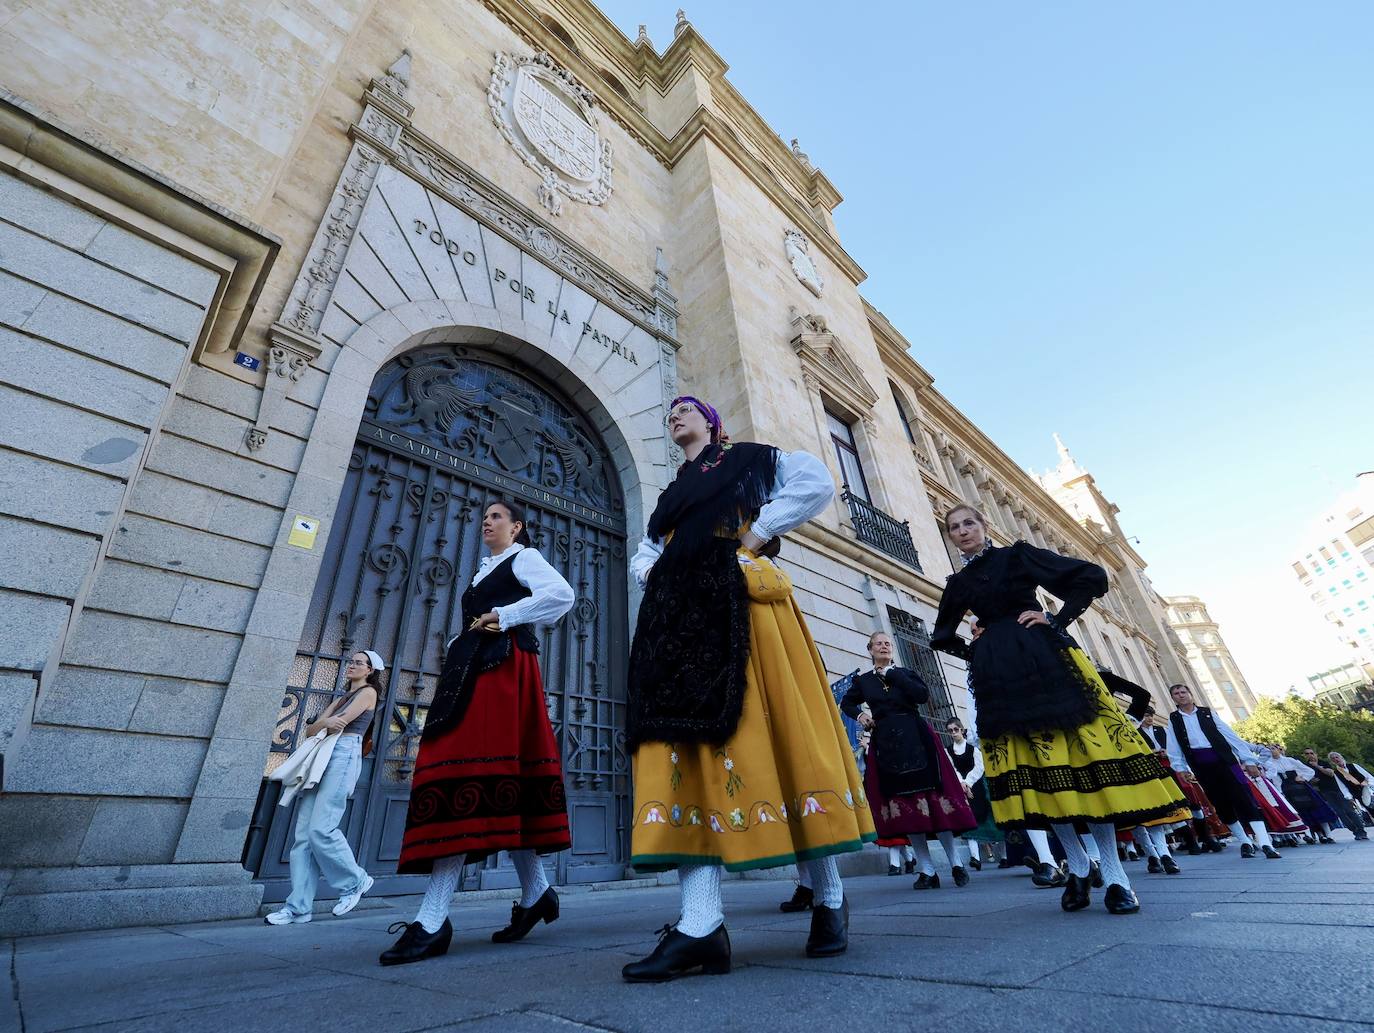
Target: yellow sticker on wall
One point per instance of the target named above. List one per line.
(303, 532)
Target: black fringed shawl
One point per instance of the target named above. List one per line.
(687, 663)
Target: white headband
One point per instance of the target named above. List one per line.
(375, 659)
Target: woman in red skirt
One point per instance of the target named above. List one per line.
(489, 776)
(910, 780)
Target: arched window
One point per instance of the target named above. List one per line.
(902, 413)
(614, 83)
(564, 36)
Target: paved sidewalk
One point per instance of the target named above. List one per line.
(1252, 946)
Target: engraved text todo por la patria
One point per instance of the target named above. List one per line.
(500, 276)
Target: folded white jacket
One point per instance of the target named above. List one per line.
(305, 767)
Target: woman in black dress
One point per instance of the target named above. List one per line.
(1056, 747)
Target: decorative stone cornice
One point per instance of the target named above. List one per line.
(288, 357)
(826, 365)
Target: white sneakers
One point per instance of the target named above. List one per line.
(286, 917)
(350, 900)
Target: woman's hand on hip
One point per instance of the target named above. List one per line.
(1030, 618)
(489, 622)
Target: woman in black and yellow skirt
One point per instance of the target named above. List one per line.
(1056, 746)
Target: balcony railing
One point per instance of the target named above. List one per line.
(885, 533)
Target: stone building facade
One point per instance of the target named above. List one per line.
(1214, 669)
(286, 292)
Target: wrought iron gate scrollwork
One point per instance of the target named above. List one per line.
(914, 651)
(443, 431)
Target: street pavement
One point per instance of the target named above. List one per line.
(1230, 944)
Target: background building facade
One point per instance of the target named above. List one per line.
(1346, 686)
(286, 293)
(1336, 571)
(1214, 668)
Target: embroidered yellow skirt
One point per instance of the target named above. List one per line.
(1102, 771)
(784, 788)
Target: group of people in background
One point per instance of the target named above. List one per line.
(741, 759)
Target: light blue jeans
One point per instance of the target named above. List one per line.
(319, 847)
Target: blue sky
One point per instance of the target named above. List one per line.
(1149, 227)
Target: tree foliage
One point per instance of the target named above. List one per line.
(1298, 723)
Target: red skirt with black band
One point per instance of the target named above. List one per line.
(493, 782)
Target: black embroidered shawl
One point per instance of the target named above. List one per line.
(691, 645)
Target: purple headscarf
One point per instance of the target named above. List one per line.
(712, 417)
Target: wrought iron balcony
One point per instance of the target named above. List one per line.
(887, 534)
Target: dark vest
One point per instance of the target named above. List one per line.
(474, 652)
(1161, 737)
(1209, 728)
(963, 763)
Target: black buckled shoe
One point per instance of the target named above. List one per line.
(1154, 867)
(960, 875)
(802, 900)
(1170, 865)
(1120, 900)
(926, 882)
(829, 931)
(1077, 895)
(1270, 852)
(415, 944)
(1048, 877)
(1247, 850)
(523, 919)
(678, 954)
(975, 864)
(1095, 874)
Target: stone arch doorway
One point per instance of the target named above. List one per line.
(444, 428)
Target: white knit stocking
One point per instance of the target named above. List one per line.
(1142, 838)
(1073, 850)
(918, 843)
(1261, 834)
(1112, 872)
(1040, 840)
(1160, 839)
(702, 911)
(803, 875)
(825, 882)
(1238, 830)
(533, 881)
(443, 882)
(951, 851)
(1090, 845)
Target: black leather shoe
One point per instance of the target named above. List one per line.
(1076, 896)
(1325, 840)
(960, 875)
(926, 882)
(829, 931)
(415, 944)
(1247, 850)
(523, 919)
(1005, 863)
(801, 901)
(1154, 867)
(893, 869)
(1095, 874)
(1271, 853)
(1170, 865)
(910, 868)
(1048, 877)
(1194, 850)
(1215, 846)
(975, 864)
(1120, 900)
(678, 954)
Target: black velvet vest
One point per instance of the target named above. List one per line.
(474, 651)
(963, 763)
(1209, 728)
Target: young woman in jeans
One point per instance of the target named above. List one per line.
(320, 848)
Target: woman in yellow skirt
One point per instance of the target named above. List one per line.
(1057, 749)
(741, 759)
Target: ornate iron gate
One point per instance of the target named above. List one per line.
(442, 433)
(913, 648)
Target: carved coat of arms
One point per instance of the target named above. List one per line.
(549, 118)
(799, 254)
